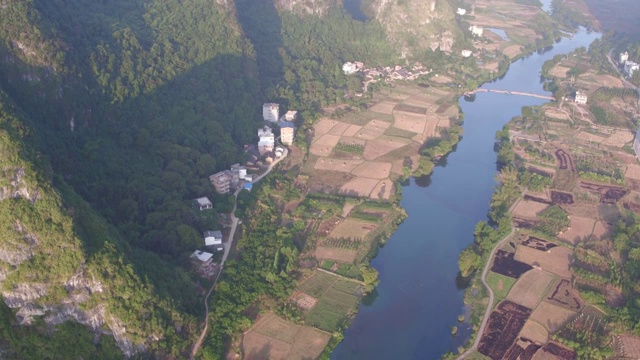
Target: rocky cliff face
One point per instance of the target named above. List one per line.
(417, 24)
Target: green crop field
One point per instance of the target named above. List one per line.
(500, 284)
(318, 284)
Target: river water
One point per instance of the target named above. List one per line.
(418, 301)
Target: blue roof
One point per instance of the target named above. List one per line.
(248, 186)
(286, 124)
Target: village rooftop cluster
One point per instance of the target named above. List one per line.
(237, 177)
(386, 73)
(629, 67)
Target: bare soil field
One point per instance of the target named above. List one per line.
(502, 329)
(385, 107)
(628, 346)
(559, 71)
(633, 172)
(373, 170)
(441, 79)
(552, 317)
(583, 135)
(512, 51)
(619, 138)
(529, 208)
(275, 338)
(340, 165)
(563, 294)
(579, 230)
(530, 288)
(535, 332)
(323, 126)
(555, 260)
(352, 229)
(383, 190)
(339, 129)
(601, 230)
(324, 145)
(553, 351)
(351, 131)
(372, 130)
(429, 130)
(382, 146)
(340, 255)
(359, 187)
(444, 123)
(556, 114)
(409, 121)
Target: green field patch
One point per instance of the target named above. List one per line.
(500, 285)
(346, 286)
(348, 299)
(318, 284)
(327, 264)
(324, 317)
(349, 270)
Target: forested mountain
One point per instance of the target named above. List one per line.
(113, 114)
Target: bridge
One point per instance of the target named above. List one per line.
(546, 97)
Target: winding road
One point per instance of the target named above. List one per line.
(227, 249)
(487, 312)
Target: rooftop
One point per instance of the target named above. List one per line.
(204, 201)
(202, 255)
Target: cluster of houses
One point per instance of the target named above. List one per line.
(386, 73)
(629, 67)
(236, 177)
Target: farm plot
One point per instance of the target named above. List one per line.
(500, 284)
(336, 254)
(522, 349)
(633, 172)
(504, 263)
(382, 146)
(538, 244)
(323, 146)
(359, 187)
(372, 130)
(336, 305)
(580, 230)
(352, 229)
(601, 230)
(410, 121)
(275, 338)
(323, 126)
(619, 138)
(535, 332)
(512, 51)
(352, 131)
(502, 329)
(529, 209)
(583, 135)
(555, 260)
(383, 190)
(608, 194)
(628, 346)
(559, 71)
(339, 129)
(553, 351)
(317, 284)
(530, 288)
(563, 294)
(303, 300)
(561, 198)
(385, 107)
(552, 317)
(342, 165)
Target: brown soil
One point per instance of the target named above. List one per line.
(608, 194)
(564, 160)
(523, 349)
(564, 295)
(561, 198)
(353, 229)
(502, 329)
(529, 209)
(384, 107)
(359, 187)
(340, 255)
(303, 300)
(505, 264)
(552, 317)
(373, 170)
(579, 230)
(535, 332)
(555, 260)
(377, 148)
(538, 244)
(530, 288)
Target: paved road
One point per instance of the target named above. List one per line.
(487, 312)
(227, 249)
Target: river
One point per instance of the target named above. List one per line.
(418, 301)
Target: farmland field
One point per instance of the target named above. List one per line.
(530, 288)
(500, 284)
(552, 317)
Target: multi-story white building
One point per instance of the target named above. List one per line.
(287, 132)
(222, 181)
(349, 68)
(466, 53)
(270, 112)
(267, 140)
(631, 67)
(461, 11)
(581, 98)
(290, 115)
(624, 57)
(476, 30)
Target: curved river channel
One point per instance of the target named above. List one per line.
(418, 301)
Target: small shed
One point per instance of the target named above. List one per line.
(202, 256)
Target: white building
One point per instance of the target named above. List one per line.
(624, 57)
(581, 98)
(290, 115)
(267, 140)
(466, 53)
(202, 256)
(476, 30)
(631, 67)
(287, 132)
(212, 238)
(279, 151)
(349, 68)
(204, 203)
(461, 11)
(270, 112)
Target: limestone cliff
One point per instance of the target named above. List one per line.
(416, 24)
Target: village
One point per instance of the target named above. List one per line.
(261, 158)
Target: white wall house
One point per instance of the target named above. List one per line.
(287, 132)
(290, 115)
(267, 140)
(204, 203)
(461, 11)
(630, 68)
(476, 30)
(349, 68)
(270, 112)
(581, 98)
(624, 57)
(202, 256)
(466, 53)
(212, 238)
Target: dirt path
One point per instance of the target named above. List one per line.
(227, 249)
(487, 312)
